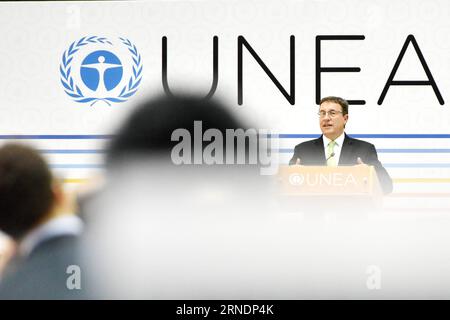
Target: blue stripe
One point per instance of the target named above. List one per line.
(71, 151)
(411, 165)
(282, 150)
(387, 165)
(403, 136)
(55, 137)
(77, 166)
(388, 136)
(282, 136)
(293, 135)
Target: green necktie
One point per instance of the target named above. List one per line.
(331, 162)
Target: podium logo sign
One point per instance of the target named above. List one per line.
(336, 179)
(296, 179)
(98, 70)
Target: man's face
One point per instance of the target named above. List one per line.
(333, 122)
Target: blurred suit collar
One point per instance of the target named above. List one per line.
(67, 225)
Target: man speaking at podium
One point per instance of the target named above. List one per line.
(335, 147)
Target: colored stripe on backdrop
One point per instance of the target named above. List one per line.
(281, 135)
(400, 180)
(291, 151)
(419, 195)
(76, 166)
(411, 165)
(377, 136)
(386, 165)
(416, 165)
(76, 180)
(55, 136)
(421, 180)
(99, 151)
(71, 151)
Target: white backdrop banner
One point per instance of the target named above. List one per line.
(70, 72)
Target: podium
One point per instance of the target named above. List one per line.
(322, 188)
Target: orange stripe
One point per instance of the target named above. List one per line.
(421, 180)
(76, 180)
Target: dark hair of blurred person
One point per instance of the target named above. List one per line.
(26, 191)
(37, 213)
(150, 205)
(149, 128)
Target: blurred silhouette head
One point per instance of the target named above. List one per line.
(26, 194)
(148, 131)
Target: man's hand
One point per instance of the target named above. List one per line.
(360, 162)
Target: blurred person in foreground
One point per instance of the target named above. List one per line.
(163, 230)
(39, 216)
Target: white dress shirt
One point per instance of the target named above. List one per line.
(337, 147)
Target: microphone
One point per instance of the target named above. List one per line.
(331, 156)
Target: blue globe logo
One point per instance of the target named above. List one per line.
(101, 71)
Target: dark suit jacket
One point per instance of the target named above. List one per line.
(42, 275)
(312, 153)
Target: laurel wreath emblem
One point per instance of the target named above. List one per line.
(76, 93)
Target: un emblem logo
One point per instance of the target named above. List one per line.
(296, 179)
(93, 70)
